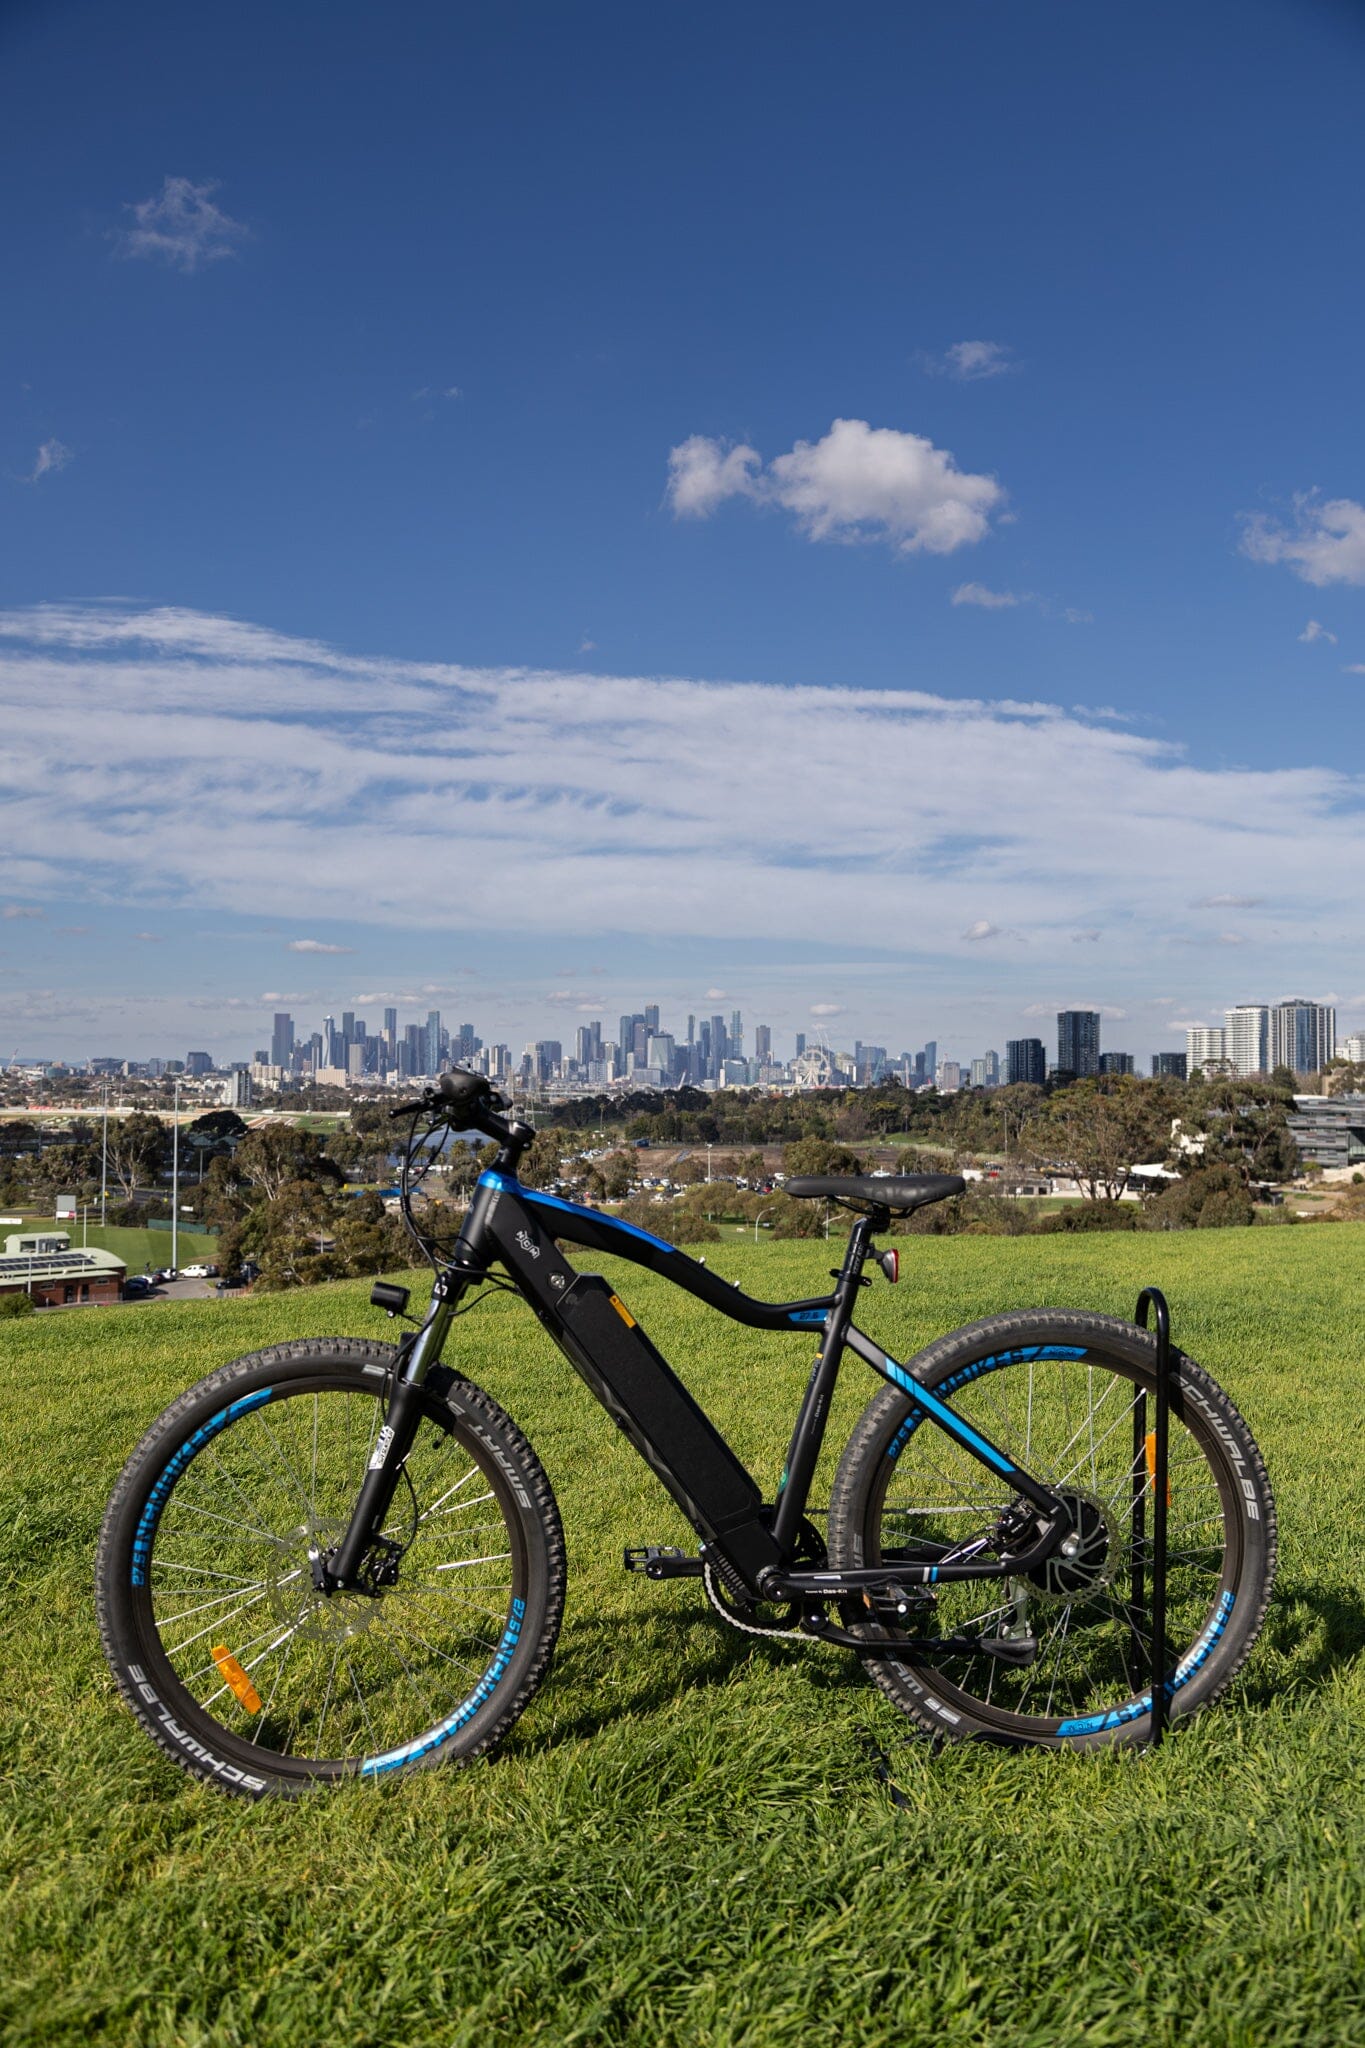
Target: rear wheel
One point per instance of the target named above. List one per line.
(222, 1645)
(1059, 1393)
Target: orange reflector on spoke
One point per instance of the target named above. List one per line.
(236, 1679)
(1151, 1466)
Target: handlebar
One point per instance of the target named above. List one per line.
(468, 1096)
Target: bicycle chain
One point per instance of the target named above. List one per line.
(711, 1582)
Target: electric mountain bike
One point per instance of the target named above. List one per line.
(338, 1558)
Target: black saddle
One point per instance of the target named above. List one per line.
(899, 1192)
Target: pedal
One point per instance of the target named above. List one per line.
(662, 1561)
(1014, 1650)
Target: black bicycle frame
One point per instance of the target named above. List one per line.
(518, 1227)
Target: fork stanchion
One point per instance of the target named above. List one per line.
(1157, 1468)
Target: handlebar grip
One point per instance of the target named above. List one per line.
(405, 1109)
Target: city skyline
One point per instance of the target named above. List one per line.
(718, 1051)
(643, 568)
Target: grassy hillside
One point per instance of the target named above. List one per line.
(683, 1840)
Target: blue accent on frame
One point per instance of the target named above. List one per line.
(944, 1415)
(807, 1315)
(1025, 1355)
(506, 1185)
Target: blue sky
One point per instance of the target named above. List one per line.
(427, 531)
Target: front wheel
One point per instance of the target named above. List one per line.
(209, 1616)
(1066, 1396)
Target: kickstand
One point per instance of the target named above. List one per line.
(880, 1761)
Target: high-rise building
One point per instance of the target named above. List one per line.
(1303, 1036)
(763, 1044)
(1170, 1066)
(1247, 1038)
(198, 1063)
(986, 1071)
(391, 1032)
(1117, 1063)
(1206, 1046)
(431, 1048)
(651, 1019)
(1078, 1042)
(282, 1040)
(800, 1043)
(546, 1054)
(1353, 1048)
(736, 1035)
(1025, 1060)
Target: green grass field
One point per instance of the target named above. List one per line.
(683, 1839)
(137, 1248)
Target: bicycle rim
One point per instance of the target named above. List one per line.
(1067, 1414)
(314, 1684)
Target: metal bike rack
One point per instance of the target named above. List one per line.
(1151, 1471)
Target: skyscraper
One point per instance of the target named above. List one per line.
(763, 1044)
(1247, 1040)
(282, 1040)
(1206, 1047)
(1117, 1063)
(1170, 1066)
(1302, 1035)
(1025, 1060)
(1078, 1042)
(391, 1032)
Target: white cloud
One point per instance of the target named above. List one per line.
(969, 361)
(52, 456)
(987, 600)
(858, 483)
(228, 770)
(982, 929)
(1228, 902)
(703, 473)
(1315, 630)
(180, 226)
(1325, 545)
(827, 1009)
(1353, 668)
(316, 946)
(17, 910)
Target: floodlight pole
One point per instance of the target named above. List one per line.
(104, 1155)
(175, 1178)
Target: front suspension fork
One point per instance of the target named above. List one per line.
(402, 1419)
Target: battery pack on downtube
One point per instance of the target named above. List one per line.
(652, 1407)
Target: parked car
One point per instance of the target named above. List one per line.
(136, 1287)
(195, 1272)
